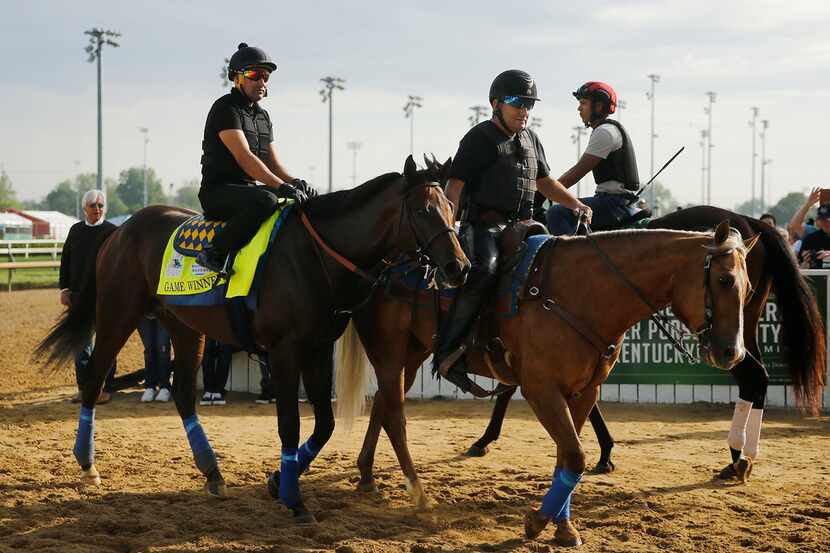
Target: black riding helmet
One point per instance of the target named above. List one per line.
(248, 56)
(513, 82)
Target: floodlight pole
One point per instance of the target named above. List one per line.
(97, 39)
(330, 84)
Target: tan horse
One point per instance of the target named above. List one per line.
(560, 365)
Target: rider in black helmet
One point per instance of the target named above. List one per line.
(237, 151)
(499, 166)
(609, 155)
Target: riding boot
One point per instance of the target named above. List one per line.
(215, 260)
(450, 339)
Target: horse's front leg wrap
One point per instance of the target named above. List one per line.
(557, 502)
(306, 454)
(202, 452)
(84, 449)
(290, 478)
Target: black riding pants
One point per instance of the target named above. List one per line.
(244, 207)
(481, 244)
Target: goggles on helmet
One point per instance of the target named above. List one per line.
(519, 102)
(256, 74)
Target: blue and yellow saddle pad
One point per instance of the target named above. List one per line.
(182, 281)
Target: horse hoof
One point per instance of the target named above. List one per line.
(567, 535)
(476, 451)
(216, 489)
(303, 515)
(367, 487)
(535, 522)
(727, 472)
(604, 468)
(743, 469)
(274, 485)
(90, 477)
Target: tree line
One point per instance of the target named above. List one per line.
(124, 195)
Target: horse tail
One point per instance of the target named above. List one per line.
(804, 337)
(351, 386)
(75, 326)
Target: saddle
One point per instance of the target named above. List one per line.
(195, 234)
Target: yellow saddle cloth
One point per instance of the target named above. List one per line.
(181, 276)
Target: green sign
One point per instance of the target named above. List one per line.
(648, 357)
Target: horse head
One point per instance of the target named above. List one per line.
(430, 230)
(712, 305)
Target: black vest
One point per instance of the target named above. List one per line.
(218, 164)
(509, 184)
(620, 165)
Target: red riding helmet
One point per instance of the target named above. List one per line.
(598, 91)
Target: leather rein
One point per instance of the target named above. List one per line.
(375, 277)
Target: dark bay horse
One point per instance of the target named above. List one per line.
(772, 267)
(559, 370)
(296, 322)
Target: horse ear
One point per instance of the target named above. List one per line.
(410, 170)
(749, 244)
(445, 170)
(722, 232)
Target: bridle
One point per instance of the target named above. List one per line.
(379, 274)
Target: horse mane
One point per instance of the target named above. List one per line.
(335, 203)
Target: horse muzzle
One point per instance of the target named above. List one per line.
(454, 273)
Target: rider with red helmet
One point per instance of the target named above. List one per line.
(609, 155)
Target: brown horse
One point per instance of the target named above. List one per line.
(771, 266)
(303, 289)
(560, 365)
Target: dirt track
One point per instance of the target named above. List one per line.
(662, 498)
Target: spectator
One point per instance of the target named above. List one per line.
(769, 219)
(82, 243)
(216, 365)
(815, 247)
(156, 359)
(796, 226)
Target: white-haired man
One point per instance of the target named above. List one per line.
(82, 242)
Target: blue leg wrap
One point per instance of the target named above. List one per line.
(556, 504)
(85, 439)
(202, 452)
(290, 478)
(306, 454)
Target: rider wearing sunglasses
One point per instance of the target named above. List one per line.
(499, 166)
(609, 155)
(238, 151)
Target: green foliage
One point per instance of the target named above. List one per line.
(664, 200)
(8, 197)
(115, 206)
(782, 211)
(130, 188)
(188, 196)
(64, 198)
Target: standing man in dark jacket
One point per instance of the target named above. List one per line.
(81, 244)
(499, 166)
(237, 151)
(609, 155)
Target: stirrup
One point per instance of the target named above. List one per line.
(461, 378)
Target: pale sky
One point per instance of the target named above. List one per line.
(771, 54)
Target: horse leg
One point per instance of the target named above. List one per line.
(491, 434)
(317, 384)
(753, 380)
(366, 458)
(286, 377)
(188, 345)
(606, 442)
(562, 422)
(391, 387)
(118, 318)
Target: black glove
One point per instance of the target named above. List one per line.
(303, 186)
(291, 192)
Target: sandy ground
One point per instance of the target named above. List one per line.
(662, 497)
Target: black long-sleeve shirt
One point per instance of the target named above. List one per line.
(80, 244)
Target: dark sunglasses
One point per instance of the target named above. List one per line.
(519, 102)
(256, 74)
(99, 206)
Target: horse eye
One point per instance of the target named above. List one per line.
(727, 280)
